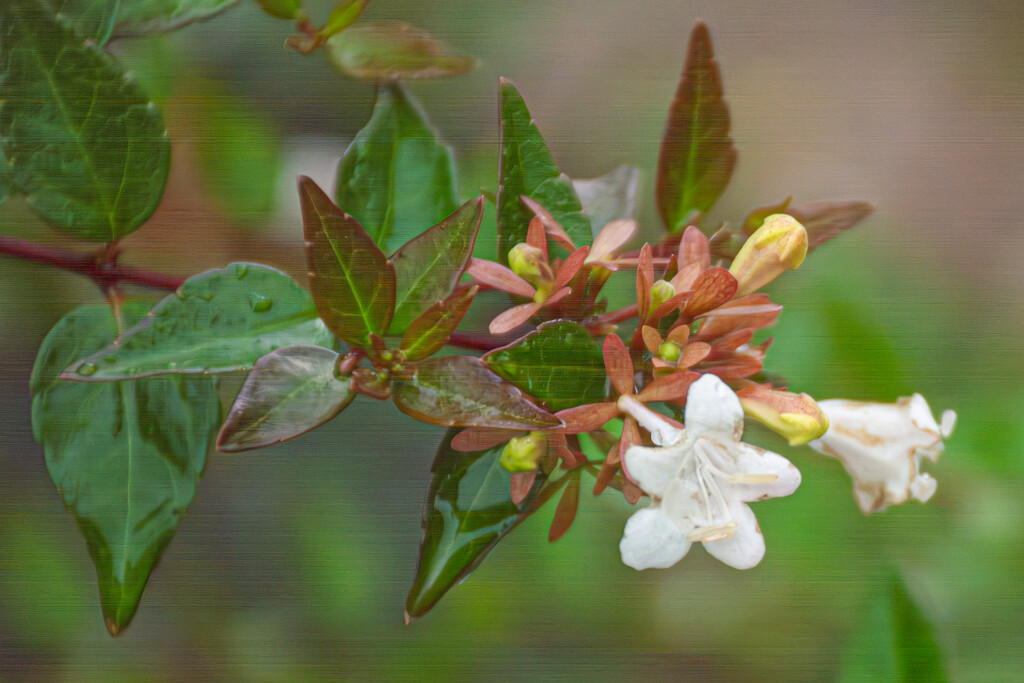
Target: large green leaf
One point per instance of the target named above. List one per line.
(289, 392)
(218, 321)
(388, 52)
(527, 168)
(93, 19)
(697, 157)
(396, 178)
(896, 642)
(125, 456)
(559, 363)
(103, 19)
(85, 145)
(459, 391)
(352, 281)
(428, 266)
(467, 512)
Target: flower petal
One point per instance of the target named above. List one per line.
(745, 548)
(755, 468)
(612, 236)
(499, 277)
(653, 469)
(713, 408)
(652, 541)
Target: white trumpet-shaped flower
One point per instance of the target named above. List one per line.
(700, 480)
(881, 446)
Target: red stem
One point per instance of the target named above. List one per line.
(480, 342)
(100, 266)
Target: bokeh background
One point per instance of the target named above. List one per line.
(293, 563)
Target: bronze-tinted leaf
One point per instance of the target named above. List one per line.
(353, 283)
(755, 219)
(388, 52)
(459, 391)
(429, 332)
(568, 504)
(824, 220)
(618, 364)
(712, 289)
(697, 157)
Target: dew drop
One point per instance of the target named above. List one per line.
(109, 359)
(241, 272)
(86, 369)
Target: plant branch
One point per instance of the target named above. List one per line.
(100, 266)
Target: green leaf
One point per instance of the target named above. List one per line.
(468, 512)
(526, 168)
(238, 150)
(218, 321)
(6, 179)
(459, 391)
(428, 266)
(353, 283)
(85, 145)
(896, 641)
(289, 392)
(609, 197)
(429, 332)
(388, 52)
(342, 16)
(93, 19)
(697, 156)
(282, 9)
(559, 363)
(125, 456)
(396, 178)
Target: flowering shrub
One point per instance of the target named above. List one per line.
(125, 396)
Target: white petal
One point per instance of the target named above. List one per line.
(713, 408)
(653, 468)
(745, 548)
(652, 541)
(751, 462)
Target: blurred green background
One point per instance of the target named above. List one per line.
(293, 563)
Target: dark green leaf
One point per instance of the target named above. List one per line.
(85, 145)
(282, 9)
(388, 52)
(609, 197)
(342, 16)
(526, 168)
(697, 157)
(559, 363)
(824, 220)
(289, 392)
(459, 391)
(428, 266)
(896, 641)
(468, 511)
(396, 178)
(353, 283)
(429, 332)
(238, 150)
(125, 456)
(5, 178)
(218, 321)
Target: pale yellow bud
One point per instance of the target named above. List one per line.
(522, 453)
(661, 292)
(794, 416)
(780, 244)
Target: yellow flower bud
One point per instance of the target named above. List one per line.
(522, 453)
(669, 351)
(794, 416)
(661, 292)
(528, 262)
(780, 244)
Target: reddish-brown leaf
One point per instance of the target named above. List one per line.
(694, 249)
(755, 219)
(668, 388)
(618, 364)
(513, 318)
(568, 504)
(587, 417)
(552, 227)
(430, 331)
(696, 157)
(824, 220)
(481, 438)
(352, 282)
(712, 289)
(499, 277)
(520, 485)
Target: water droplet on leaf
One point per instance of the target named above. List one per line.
(86, 369)
(260, 303)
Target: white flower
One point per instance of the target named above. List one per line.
(881, 446)
(700, 483)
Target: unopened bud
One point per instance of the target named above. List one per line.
(669, 351)
(780, 244)
(528, 262)
(522, 453)
(661, 292)
(794, 416)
